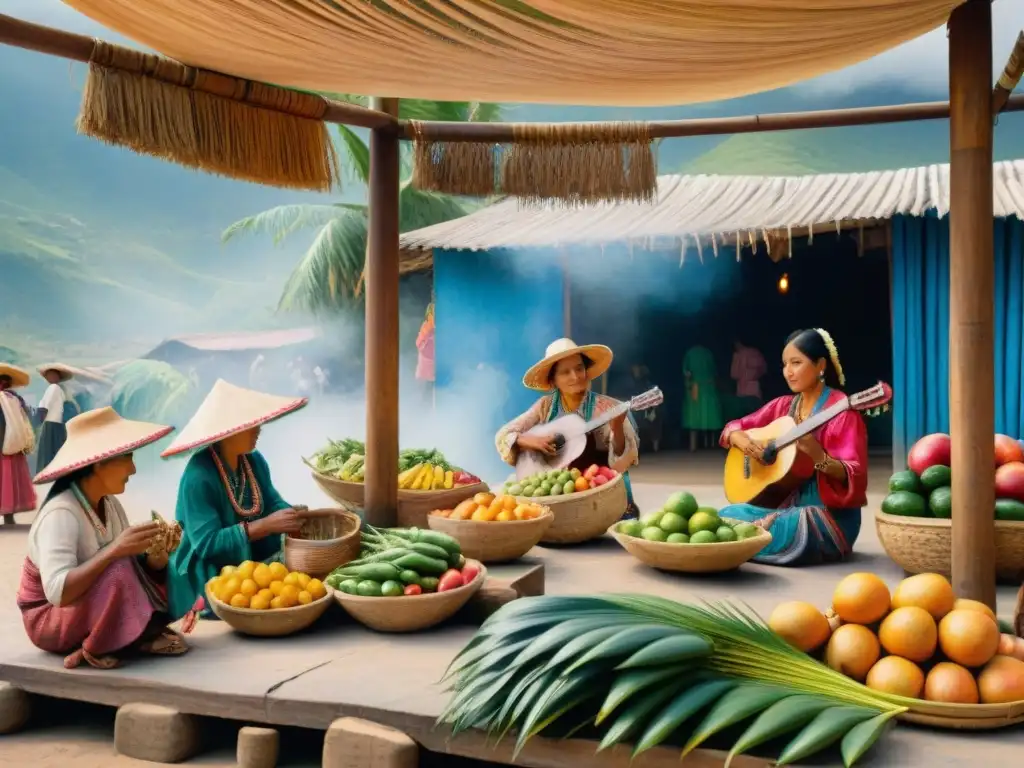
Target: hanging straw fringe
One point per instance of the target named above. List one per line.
(574, 163)
(207, 121)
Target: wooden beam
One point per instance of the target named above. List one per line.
(67, 45)
(1011, 76)
(381, 499)
(503, 133)
(971, 298)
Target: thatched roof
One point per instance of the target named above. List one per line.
(689, 208)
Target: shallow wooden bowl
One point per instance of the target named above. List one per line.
(968, 717)
(494, 542)
(408, 613)
(693, 558)
(923, 545)
(277, 622)
(584, 515)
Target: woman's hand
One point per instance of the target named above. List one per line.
(287, 521)
(810, 446)
(134, 540)
(542, 444)
(746, 444)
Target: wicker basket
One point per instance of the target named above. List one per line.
(973, 717)
(693, 558)
(494, 542)
(923, 544)
(329, 538)
(584, 515)
(270, 623)
(413, 506)
(410, 613)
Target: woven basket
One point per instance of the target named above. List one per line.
(413, 506)
(494, 542)
(972, 717)
(329, 538)
(270, 623)
(923, 545)
(410, 613)
(693, 558)
(584, 515)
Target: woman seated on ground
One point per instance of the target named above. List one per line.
(227, 505)
(92, 585)
(17, 441)
(821, 521)
(565, 374)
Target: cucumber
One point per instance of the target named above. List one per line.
(940, 502)
(423, 565)
(936, 477)
(907, 480)
(368, 588)
(904, 504)
(1009, 509)
(372, 572)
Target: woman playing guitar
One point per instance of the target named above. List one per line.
(565, 374)
(821, 521)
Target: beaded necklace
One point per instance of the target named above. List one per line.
(94, 519)
(236, 491)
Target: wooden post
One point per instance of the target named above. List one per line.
(381, 500)
(971, 292)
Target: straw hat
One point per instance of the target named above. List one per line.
(66, 371)
(96, 436)
(19, 376)
(538, 375)
(228, 410)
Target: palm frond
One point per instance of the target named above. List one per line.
(357, 152)
(424, 109)
(328, 275)
(418, 208)
(642, 667)
(284, 220)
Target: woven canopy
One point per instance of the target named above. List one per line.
(608, 52)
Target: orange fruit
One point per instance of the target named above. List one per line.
(505, 516)
(291, 578)
(963, 604)
(950, 683)
(861, 598)
(484, 498)
(800, 624)
(929, 591)
(289, 595)
(896, 675)
(278, 571)
(909, 632)
(509, 502)
(239, 601)
(305, 598)
(262, 575)
(227, 570)
(970, 638)
(853, 650)
(260, 602)
(1002, 681)
(316, 589)
(276, 587)
(276, 604)
(249, 588)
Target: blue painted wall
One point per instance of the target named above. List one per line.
(920, 291)
(496, 312)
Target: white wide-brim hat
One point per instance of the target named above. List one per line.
(19, 376)
(99, 435)
(538, 377)
(228, 410)
(66, 371)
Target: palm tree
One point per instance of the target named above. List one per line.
(329, 276)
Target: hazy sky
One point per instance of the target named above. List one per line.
(921, 63)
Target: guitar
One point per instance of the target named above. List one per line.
(570, 433)
(785, 468)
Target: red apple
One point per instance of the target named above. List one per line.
(608, 472)
(591, 471)
(598, 480)
(1010, 481)
(1007, 450)
(930, 451)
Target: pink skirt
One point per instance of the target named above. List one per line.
(17, 494)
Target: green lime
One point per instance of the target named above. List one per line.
(651, 533)
(515, 490)
(539, 491)
(672, 522)
(652, 518)
(528, 490)
(745, 531)
(391, 589)
(546, 487)
(708, 510)
(429, 583)
(678, 538)
(349, 587)
(702, 521)
(569, 486)
(553, 474)
(682, 503)
(368, 588)
(556, 490)
(630, 527)
(575, 473)
(409, 577)
(726, 533)
(564, 478)
(704, 537)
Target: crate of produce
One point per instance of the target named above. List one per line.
(267, 600)
(494, 529)
(329, 538)
(406, 579)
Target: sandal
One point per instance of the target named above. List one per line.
(75, 659)
(167, 643)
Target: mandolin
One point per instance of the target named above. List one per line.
(571, 431)
(785, 468)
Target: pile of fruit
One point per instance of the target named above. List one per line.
(919, 642)
(559, 482)
(923, 490)
(404, 561)
(419, 469)
(263, 586)
(682, 521)
(488, 508)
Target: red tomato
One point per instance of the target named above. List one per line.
(592, 471)
(608, 472)
(599, 480)
(414, 589)
(451, 579)
(470, 571)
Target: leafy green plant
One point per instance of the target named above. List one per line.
(642, 668)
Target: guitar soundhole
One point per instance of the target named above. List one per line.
(559, 442)
(746, 467)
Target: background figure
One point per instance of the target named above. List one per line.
(53, 410)
(747, 370)
(650, 422)
(702, 409)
